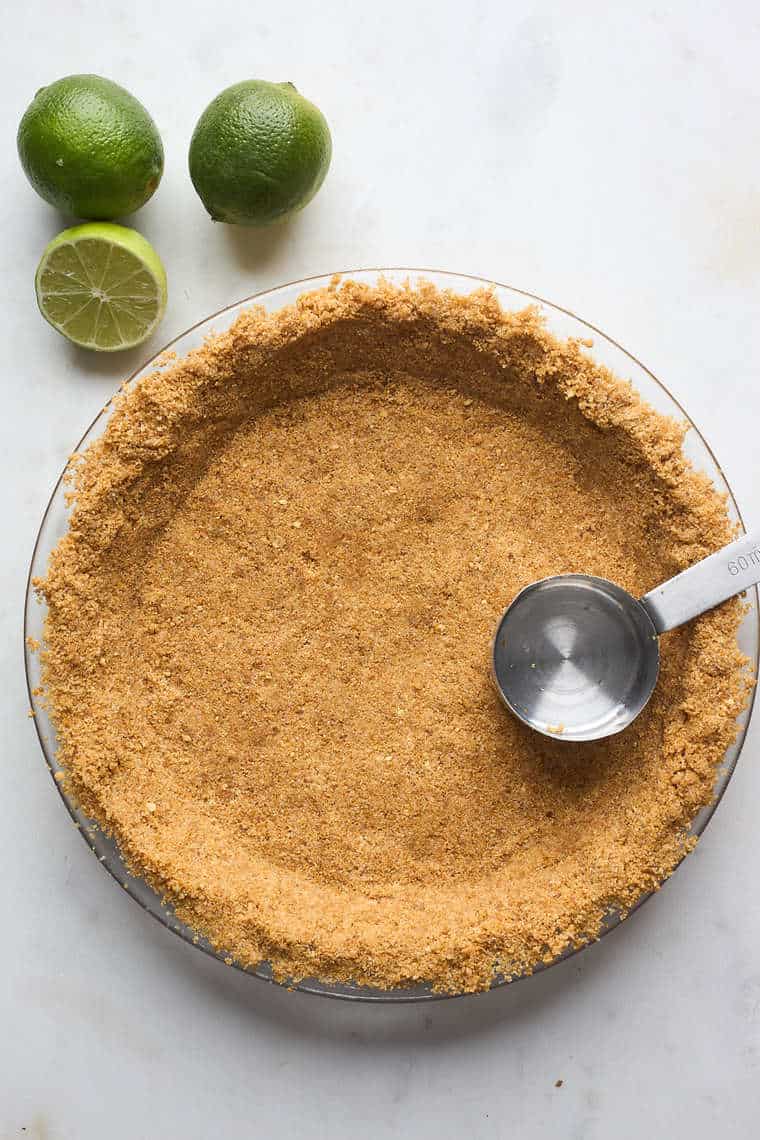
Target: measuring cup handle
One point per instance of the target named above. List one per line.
(728, 572)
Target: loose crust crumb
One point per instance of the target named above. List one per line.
(266, 650)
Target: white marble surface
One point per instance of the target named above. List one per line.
(606, 156)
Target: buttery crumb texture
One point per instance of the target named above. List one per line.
(267, 645)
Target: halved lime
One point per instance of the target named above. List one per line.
(102, 286)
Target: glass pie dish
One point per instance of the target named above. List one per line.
(561, 324)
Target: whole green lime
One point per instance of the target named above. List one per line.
(260, 152)
(90, 148)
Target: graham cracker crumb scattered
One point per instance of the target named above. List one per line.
(272, 613)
